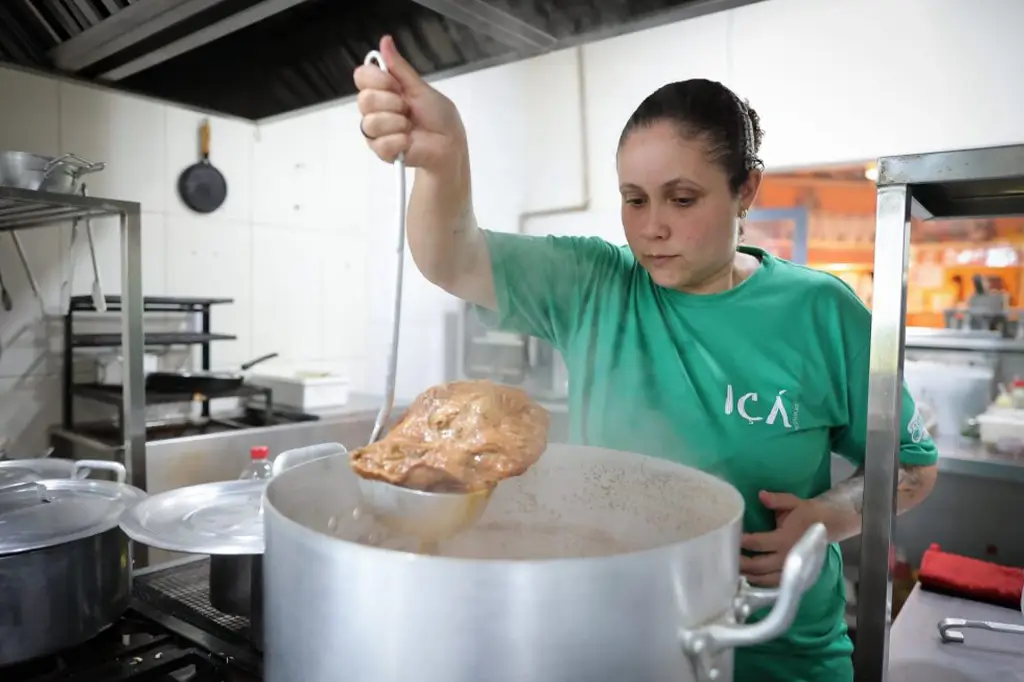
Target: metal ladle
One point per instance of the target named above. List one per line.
(431, 517)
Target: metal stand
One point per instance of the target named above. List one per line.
(150, 304)
(23, 209)
(961, 184)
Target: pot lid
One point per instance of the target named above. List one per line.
(47, 512)
(212, 518)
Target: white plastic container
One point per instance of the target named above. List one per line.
(1000, 425)
(303, 389)
(110, 368)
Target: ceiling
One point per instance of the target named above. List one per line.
(261, 58)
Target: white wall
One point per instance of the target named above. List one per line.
(305, 242)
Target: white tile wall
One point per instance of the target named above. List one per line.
(305, 241)
(145, 144)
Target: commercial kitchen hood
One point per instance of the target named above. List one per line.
(261, 58)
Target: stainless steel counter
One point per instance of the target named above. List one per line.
(970, 457)
(179, 462)
(963, 340)
(917, 654)
(190, 460)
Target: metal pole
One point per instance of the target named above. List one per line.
(133, 426)
(885, 398)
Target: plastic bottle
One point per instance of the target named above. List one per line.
(1017, 394)
(259, 464)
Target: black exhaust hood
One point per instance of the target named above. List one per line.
(260, 58)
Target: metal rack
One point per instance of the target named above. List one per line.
(958, 184)
(24, 209)
(150, 304)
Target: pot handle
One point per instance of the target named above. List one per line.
(800, 571)
(294, 457)
(81, 166)
(82, 468)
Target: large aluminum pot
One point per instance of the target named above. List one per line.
(65, 566)
(594, 565)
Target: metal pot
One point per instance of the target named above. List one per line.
(593, 565)
(236, 587)
(231, 583)
(60, 175)
(65, 566)
(224, 521)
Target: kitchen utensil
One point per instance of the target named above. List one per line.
(201, 186)
(98, 300)
(593, 565)
(431, 517)
(205, 383)
(60, 175)
(5, 296)
(434, 516)
(375, 57)
(950, 628)
(65, 566)
(69, 271)
(28, 268)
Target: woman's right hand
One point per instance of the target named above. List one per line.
(402, 113)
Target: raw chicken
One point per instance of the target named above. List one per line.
(459, 437)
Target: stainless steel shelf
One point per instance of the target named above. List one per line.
(23, 208)
(972, 183)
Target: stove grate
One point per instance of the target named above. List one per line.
(183, 591)
(131, 650)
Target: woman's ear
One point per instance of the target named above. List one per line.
(748, 190)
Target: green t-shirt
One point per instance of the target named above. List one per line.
(758, 385)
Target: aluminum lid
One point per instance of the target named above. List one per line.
(212, 518)
(49, 512)
(222, 518)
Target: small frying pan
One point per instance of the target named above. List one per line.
(207, 383)
(202, 187)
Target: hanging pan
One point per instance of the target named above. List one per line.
(202, 187)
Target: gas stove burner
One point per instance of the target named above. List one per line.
(134, 649)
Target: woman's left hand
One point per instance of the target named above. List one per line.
(793, 516)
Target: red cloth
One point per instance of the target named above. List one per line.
(973, 579)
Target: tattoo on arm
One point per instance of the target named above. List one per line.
(912, 486)
(849, 494)
(846, 498)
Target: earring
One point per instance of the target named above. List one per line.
(743, 213)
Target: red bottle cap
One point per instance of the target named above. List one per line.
(259, 452)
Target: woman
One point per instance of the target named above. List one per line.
(685, 345)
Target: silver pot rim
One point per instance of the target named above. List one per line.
(269, 509)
